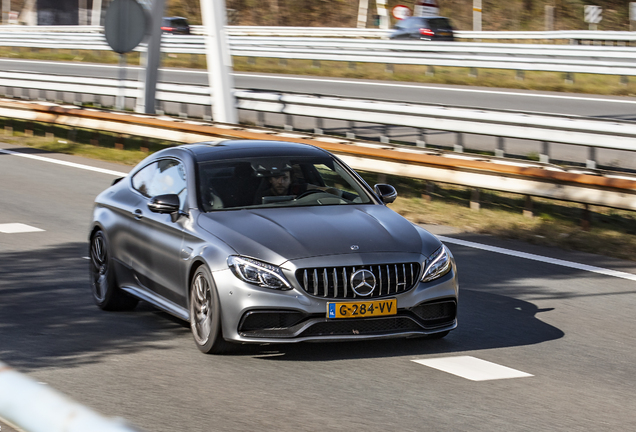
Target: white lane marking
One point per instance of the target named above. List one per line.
(472, 368)
(13, 228)
(540, 258)
(450, 89)
(65, 163)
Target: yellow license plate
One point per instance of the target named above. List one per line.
(362, 309)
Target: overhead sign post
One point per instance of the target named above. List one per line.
(219, 61)
(593, 16)
(124, 27)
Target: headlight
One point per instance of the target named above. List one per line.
(258, 273)
(437, 265)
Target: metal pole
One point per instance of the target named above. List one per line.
(219, 61)
(476, 15)
(363, 7)
(150, 61)
(120, 102)
(96, 16)
(6, 8)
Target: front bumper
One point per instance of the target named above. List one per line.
(251, 314)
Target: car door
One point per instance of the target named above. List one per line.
(156, 248)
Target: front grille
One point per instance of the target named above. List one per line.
(350, 327)
(335, 282)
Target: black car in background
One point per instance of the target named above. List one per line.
(175, 25)
(426, 28)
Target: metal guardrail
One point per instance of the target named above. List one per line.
(521, 57)
(522, 177)
(591, 132)
(35, 407)
(344, 32)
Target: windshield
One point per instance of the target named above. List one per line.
(277, 182)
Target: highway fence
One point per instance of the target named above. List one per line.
(609, 189)
(555, 36)
(568, 59)
(589, 135)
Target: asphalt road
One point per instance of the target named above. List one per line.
(571, 329)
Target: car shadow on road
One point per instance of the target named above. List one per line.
(48, 318)
(485, 320)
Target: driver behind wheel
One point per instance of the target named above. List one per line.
(281, 185)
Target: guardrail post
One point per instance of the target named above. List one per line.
(319, 126)
(384, 138)
(183, 110)
(427, 195)
(289, 122)
(474, 199)
(586, 218)
(544, 157)
(459, 145)
(260, 118)
(500, 150)
(591, 159)
(351, 133)
(569, 78)
(527, 211)
(422, 141)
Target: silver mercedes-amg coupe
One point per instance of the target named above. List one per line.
(267, 242)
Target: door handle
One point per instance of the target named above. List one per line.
(137, 214)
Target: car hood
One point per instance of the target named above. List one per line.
(277, 235)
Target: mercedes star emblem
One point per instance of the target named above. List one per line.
(363, 282)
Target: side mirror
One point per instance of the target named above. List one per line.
(387, 193)
(166, 204)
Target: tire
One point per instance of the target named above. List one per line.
(205, 314)
(103, 279)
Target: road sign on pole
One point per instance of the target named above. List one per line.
(400, 12)
(124, 27)
(593, 16)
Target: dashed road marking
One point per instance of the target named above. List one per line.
(472, 368)
(14, 228)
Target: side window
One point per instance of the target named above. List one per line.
(162, 177)
(141, 180)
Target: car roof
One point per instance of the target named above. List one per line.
(237, 149)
